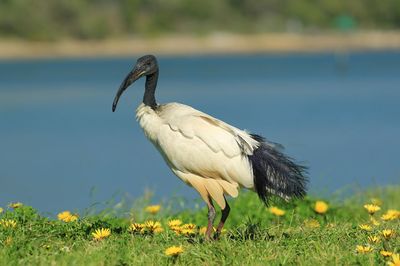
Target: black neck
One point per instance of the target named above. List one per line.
(150, 88)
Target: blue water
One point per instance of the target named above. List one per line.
(58, 137)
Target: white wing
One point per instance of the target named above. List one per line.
(203, 151)
(216, 134)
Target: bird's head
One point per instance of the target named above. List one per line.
(145, 66)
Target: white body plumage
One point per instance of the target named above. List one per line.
(203, 151)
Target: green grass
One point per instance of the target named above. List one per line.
(254, 236)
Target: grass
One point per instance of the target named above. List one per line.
(254, 236)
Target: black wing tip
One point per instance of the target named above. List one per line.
(274, 170)
(257, 137)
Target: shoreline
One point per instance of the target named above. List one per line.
(221, 43)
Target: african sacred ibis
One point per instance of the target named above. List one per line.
(211, 156)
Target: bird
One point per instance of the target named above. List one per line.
(213, 157)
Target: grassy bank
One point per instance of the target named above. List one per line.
(208, 44)
(254, 236)
(100, 19)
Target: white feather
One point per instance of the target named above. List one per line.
(194, 143)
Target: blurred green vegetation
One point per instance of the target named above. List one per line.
(99, 19)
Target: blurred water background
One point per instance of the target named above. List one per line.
(320, 77)
(338, 113)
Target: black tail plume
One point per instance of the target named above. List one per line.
(276, 173)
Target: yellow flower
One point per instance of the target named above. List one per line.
(152, 226)
(64, 215)
(387, 233)
(187, 231)
(365, 227)
(312, 223)
(321, 207)
(136, 228)
(173, 251)
(396, 260)
(188, 226)
(153, 209)
(391, 215)
(372, 208)
(276, 211)
(387, 217)
(15, 205)
(1, 210)
(67, 216)
(174, 223)
(8, 223)
(363, 249)
(374, 222)
(102, 233)
(373, 239)
(394, 213)
(386, 253)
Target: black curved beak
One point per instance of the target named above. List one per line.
(134, 75)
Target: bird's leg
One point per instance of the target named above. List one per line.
(224, 216)
(211, 217)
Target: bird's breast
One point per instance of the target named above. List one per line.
(149, 121)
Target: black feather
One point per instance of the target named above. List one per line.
(276, 173)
